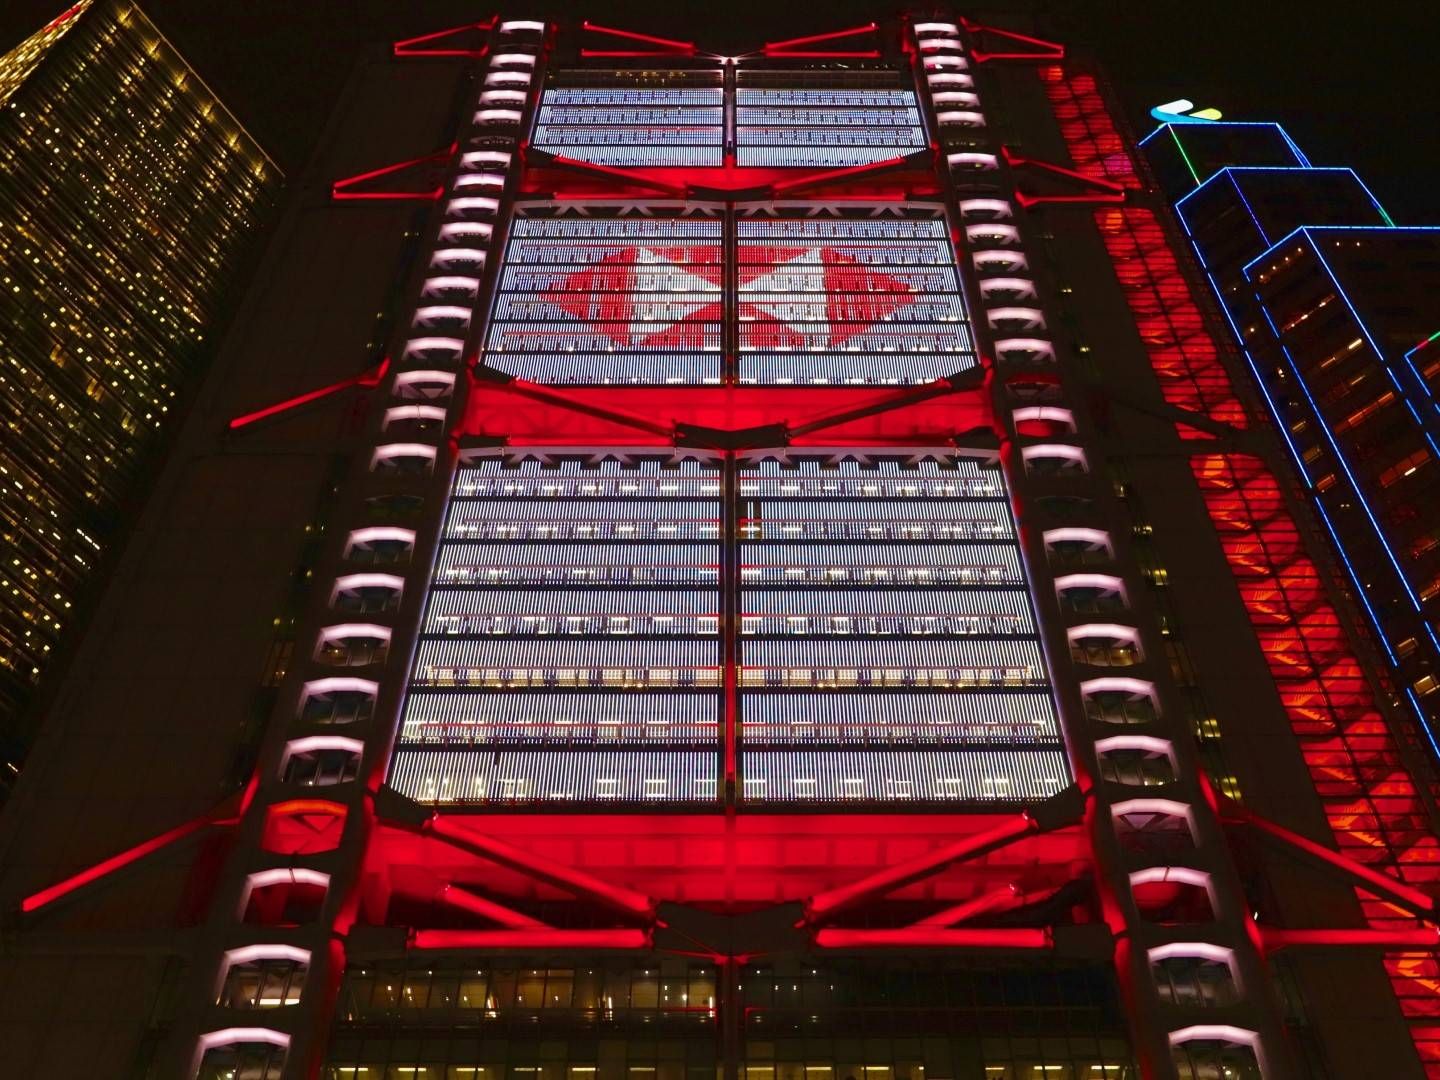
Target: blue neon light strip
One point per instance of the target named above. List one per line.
(1284, 429)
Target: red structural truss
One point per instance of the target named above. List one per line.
(794, 48)
(348, 188)
(659, 46)
(1009, 45)
(442, 42)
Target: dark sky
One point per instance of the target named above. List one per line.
(1354, 84)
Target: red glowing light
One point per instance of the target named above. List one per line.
(784, 48)
(341, 190)
(669, 45)
(369, 378)
(547, 938)
(412, 46)
(1042, 49)
(927, 937)
(105, 867)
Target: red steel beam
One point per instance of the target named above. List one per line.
(406, 47)
(898, 399)
(830, 176)
(687, 48)
(339, 193)
(368, 378)
(1426, 937)
(105, 867)
(1393, 889)
(559, 396)
(611, 172)
(823, 905)
(931, 937)
(566, 877)
(999, 899)
(477, 905)
(1049, 50)
(548, 938)
(773, 47)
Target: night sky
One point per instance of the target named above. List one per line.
(1354, 85)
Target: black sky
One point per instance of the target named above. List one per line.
(1354, 84)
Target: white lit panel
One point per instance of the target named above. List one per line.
(671, 120)
(600, 296)
(784, 119)
(861, 299)
(888, 645)
(570, 647)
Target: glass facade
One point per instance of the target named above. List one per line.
(128, 199)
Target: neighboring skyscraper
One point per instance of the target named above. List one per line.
(128, 201)
(1335, 308)
(813, 599)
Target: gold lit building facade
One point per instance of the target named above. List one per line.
(129, 198)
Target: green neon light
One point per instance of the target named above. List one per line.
(1391, 222)
(1186, 157)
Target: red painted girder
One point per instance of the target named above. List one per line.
(1392, 888)
(1426, 937)
(488, 909)
(548, 938)
(558, 874)
(368, 378)
(930, 937)
(225, 814)
(526, 414)
(342, 190)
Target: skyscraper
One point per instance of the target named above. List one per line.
(799, 585)
(1330, 301)
(129, 196)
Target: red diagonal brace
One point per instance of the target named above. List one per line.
(932, 937)
(224, 814)
(610, 172)
(1061, 809)
(370, 377)
(1426, 937)
(832, 176)
(548, 938)
(340, 189)
(565, 877)
(1102, 192)
(477, 905)
(559, 396)
(1046, 50)
(1390, 888)
(899, 399)
(826, 904)
(668, 45)
(416, 46)
(773, 48)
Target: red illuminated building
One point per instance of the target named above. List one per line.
(801, 589)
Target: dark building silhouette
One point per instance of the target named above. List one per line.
(130, 196)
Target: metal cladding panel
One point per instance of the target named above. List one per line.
(853, 300)
(887, 668)
(609, 298)
(899, 775)
(677, 126)
(570, 651)
(800, 124)
(522, 778)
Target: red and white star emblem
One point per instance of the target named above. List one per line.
(662, 297)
